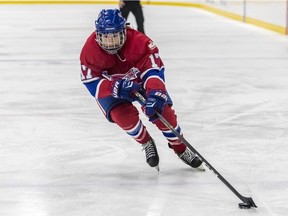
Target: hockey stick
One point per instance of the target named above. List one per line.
(247, 201)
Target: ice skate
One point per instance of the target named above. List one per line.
(189, 158)
(152, 157)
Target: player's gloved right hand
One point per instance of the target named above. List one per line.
(125, 89)
(155, 102)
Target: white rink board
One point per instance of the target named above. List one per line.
(270, 11)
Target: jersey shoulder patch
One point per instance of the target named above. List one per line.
(151, 45)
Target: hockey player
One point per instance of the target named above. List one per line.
(117, 61)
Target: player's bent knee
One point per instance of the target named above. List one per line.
(125, 115)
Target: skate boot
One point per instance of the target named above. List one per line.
(189, 158)
(152, 157)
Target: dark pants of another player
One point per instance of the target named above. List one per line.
(136, 8)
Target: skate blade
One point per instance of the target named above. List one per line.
(157, 168)
(201, 168)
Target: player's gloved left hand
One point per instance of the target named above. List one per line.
(155, 102)
(125, 89)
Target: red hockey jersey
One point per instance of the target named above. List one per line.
(138, 56)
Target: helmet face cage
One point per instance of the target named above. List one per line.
(111, 42)
(110, 30)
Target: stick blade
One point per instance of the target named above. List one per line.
(247, 204)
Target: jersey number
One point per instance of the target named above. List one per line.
(86, 73)
(152, 58)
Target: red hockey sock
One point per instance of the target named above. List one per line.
(127, 117)
(179, 148)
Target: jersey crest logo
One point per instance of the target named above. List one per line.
(132, 74)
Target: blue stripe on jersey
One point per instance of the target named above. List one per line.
(92, 86)
(154, 72)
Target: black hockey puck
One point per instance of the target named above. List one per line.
(244, 205)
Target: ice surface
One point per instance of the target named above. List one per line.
(60, 157)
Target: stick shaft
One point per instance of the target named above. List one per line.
(168, 125)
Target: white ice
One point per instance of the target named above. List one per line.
(60, 157)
